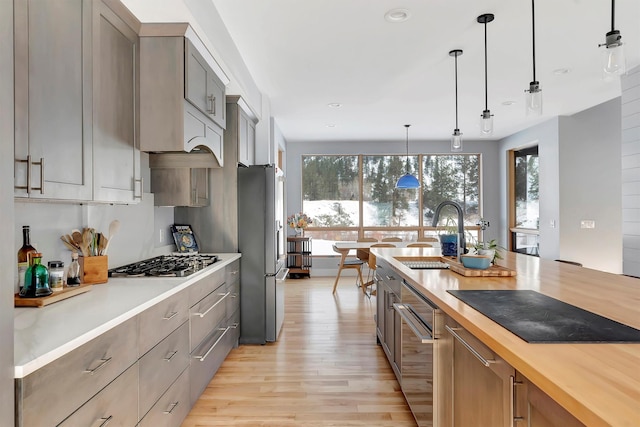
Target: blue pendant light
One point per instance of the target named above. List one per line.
(408, 181)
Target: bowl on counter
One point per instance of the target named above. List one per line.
(477, 262)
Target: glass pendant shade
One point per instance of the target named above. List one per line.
(486, 123)
(456, 141)
(533, 100)
(408, 181)
(614, 62)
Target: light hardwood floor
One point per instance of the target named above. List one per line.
(325, 369)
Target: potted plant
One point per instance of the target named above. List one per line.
(490, 249)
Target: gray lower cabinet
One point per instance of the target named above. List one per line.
(482, 382)
(388, 323)
(50, 394)
(160, 320)
(116, 405)
(215, 330)
(162, 365)
(172, 407)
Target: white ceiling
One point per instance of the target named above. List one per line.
(306, 54)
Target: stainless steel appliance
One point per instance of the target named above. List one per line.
(261, 242)
(177, 265)
(422, 325)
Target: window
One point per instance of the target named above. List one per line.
(525, 210)
(355, 196)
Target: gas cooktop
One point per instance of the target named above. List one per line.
(177, 265)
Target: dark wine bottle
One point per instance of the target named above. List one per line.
(24, 254)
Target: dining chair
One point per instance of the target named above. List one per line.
(391, 239)
(363, 254)
(420, 245)
(372, 269)
(427, 239)
(344, 264)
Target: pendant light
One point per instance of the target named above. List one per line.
(533, 101)
(408, 181)
(486, 121)
(456, 137)
(614, 60)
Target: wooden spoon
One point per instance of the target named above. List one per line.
(86, 242)
(113, 229)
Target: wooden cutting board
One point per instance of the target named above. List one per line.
(54, 297)
(493, 271)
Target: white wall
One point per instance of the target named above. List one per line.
(7, 251)
(590, 187)
(631, 172)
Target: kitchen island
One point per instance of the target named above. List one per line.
(87, 357)
(599, 384)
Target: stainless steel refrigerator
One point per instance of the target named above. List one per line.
(261, 241)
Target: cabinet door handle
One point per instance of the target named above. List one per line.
(103, 363)
(512, 398)
(105, 421)
(141, 181)
(41, 164)
(212, 104)
(213, 306)
(170, 315)
(473, 351)
(173, 353)
(171, 408)
(204, 356)
(409, 317)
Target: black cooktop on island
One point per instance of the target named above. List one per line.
(537, 318)
(165, 266)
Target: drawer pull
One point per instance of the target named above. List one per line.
(473, 351)
(171, 408)
(235, 325)
(170, 315)
(204, 356)
(213, 306)
(173, 353)
(419, 329)
(234, 272)
(105, 421)
(103, 363)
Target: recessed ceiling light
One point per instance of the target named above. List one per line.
(397, 15)
(560, 71)
(330, 125)
(508, 102)
(335, 105)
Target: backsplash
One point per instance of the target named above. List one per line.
(138, 237)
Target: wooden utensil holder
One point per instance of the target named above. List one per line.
(94, 269)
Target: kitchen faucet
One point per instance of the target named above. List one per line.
(436, 216)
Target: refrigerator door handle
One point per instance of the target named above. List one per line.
(282, 274)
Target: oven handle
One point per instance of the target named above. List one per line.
(420, 330)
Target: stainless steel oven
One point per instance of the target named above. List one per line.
(422, 325)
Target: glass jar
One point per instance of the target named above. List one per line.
(56, 275)
(73, 273)
(36, 279)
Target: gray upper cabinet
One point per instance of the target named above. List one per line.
(76, 90)
(53, 157)
(241, 129)
(202, 87)
(116, 152)
(182, 100)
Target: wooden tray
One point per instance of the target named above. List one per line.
(493, 271)
(54, 297)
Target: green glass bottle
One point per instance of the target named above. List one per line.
(36, 279)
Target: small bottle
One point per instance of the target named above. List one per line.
(73, 272)
(36, 280)
(24, 253)
(56, 275)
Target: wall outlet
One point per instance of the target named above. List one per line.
(552, 223)
(587, 223)
(161, 236)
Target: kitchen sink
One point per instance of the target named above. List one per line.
(537, 318)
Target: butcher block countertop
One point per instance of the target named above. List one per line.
(598, 383)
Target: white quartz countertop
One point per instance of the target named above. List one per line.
(41, 335)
